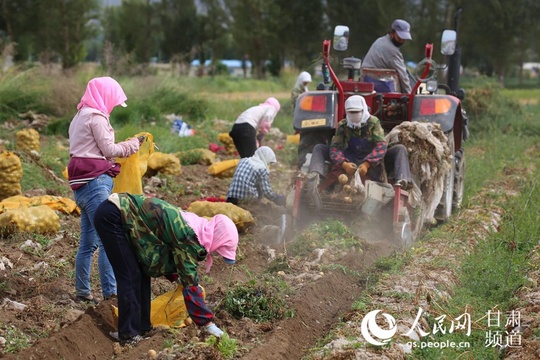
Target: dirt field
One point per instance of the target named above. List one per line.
(56, 327)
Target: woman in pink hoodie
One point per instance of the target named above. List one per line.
(91, 169)
(251, 126)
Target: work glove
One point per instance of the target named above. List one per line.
(364, 167)
(212, 329)
(280, 200)
(349, 167)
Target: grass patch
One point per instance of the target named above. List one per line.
(490, 276)
(256, 302)
(226, 346)
(325, 234)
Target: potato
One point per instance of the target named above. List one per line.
(343, 179)
(347, 189)
(347, 200)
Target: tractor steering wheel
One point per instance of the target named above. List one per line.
(421, 67)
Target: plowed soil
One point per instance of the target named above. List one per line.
(56, 327)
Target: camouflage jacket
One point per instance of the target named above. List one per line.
(162, 240)
(372, 149)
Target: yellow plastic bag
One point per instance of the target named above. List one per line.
(169, 309)
(133, 168)
(221, 168)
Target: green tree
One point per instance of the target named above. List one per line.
(214, 25)
(301, 27)
(179, 25)
(496, 40)
(252, 29)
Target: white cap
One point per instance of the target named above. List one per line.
(402, 28)
(355, 103)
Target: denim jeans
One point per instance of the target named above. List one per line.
(88, 199)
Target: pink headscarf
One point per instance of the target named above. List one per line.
(218, 234)
(103, 94)
(272, 101)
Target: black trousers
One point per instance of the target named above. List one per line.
(244, 138)
(134, 292)
(396, 163)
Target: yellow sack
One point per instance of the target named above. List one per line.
(242, 218)
(223, 168)
(169, 309)
(227, 140)
(27, 140)
(63, 204)
(10, 174)
(293, 139)
(37, 219)
(133, 167)
(166, 164)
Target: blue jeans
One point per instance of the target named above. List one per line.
(88, 199)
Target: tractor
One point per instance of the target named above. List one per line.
(318, 112)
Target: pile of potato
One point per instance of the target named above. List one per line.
(348, 191)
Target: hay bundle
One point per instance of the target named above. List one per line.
(430, 158)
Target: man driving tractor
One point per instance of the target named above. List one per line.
(358, 145)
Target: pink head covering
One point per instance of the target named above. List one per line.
(103, 94)
(219, 235)
(272, 101)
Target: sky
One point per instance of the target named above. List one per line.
(111, 2)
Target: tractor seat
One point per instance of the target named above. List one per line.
(384, 80)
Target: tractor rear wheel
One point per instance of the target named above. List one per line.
(459, 183)
(444, 209)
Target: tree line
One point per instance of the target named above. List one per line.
(495, 35)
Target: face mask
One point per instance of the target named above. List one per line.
(354, 119)
(396, 43)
